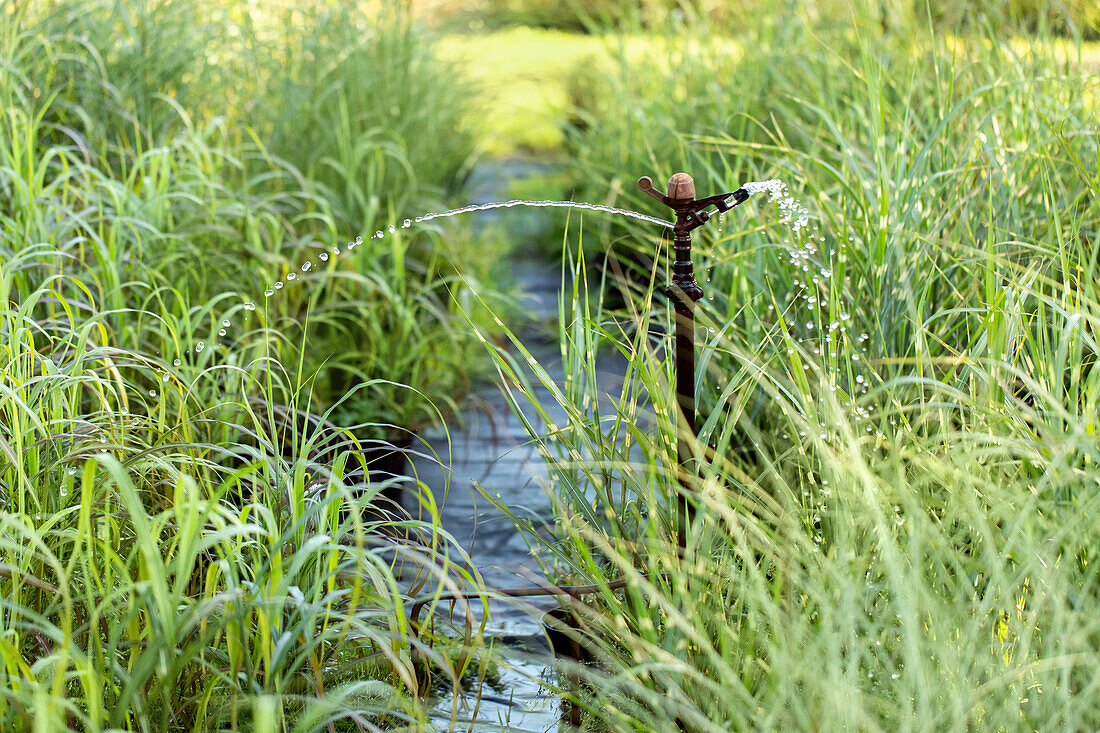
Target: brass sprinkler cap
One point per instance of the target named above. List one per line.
(681, 187)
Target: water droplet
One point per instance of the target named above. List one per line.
(176, 362)
(323, 256)
(306, 267)
(64, 491)
(221, 331)
(250, 306)
(378, 234)
(392, 228)
(226, 323)
(165, 378)
(199, 347)
(855, 357)
(152, 393)
(859, 379)
(71, 470)
(291, 276)
(358, 240)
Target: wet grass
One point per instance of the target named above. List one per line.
(898, 407)
(193, 535)
(897, 446)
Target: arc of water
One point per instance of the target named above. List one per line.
(546, 205)
(250, 305)
(774, 187)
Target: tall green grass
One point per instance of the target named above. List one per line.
(261, 178)
(1070, 18)
(193, 536)
(361, 106)
(898, 406)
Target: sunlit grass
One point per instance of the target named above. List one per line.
(523, 77)
(194, 537)
(529, 79)
(898, 434)
(898, 429)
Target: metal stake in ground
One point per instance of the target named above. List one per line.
(684, 291)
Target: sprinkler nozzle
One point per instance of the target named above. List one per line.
(690, 211)
(738, 197)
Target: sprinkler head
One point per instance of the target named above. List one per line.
(681, 187)
(689, 210)
(739, 196)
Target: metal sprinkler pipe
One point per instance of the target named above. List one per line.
(691, 213)
(684, 291)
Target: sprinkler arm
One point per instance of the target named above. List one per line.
(689, 210)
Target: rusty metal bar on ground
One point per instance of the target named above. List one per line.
(573, 591)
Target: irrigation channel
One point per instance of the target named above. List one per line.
(491, 449)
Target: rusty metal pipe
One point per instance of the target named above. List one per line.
(683, 291)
